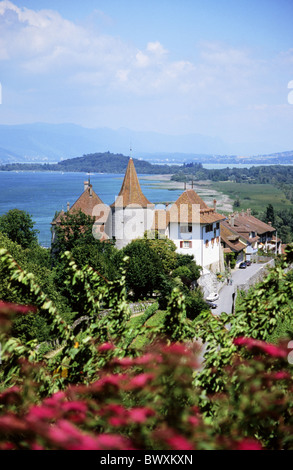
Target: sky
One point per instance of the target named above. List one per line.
(220, 68)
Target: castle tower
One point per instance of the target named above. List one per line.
(132, 212)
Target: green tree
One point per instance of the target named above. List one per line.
(36, 260)
(164, 248)
(19, 227)
(74, 228)
(270, 215)
(145, 272)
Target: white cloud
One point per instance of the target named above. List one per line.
(156, 48)
(142, 60)
(44, 43)
(71, 62)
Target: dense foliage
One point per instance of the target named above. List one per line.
(19, 227)
(72, 375)
(279, 175)
(96, 162)
(96, 392)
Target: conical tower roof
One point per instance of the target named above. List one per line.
(130, 192)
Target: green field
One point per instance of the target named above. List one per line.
(155, 320)
(253, 196)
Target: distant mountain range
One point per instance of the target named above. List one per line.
(51, 143)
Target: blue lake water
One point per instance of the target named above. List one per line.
(41, 194)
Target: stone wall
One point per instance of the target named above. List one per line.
(208, 282)
(257, 277)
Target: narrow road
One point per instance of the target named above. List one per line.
(239, 277)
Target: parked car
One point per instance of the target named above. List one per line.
(211, 304)
(242, 265)
(248, 263)
(212, 297)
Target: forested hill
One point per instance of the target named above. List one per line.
(94, 163)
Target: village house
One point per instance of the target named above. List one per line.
(194, 227)
(233, 242)
(256, 234)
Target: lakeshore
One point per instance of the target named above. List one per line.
(203, 188)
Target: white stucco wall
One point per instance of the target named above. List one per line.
(211, 245)
(203, 255)
(193, 237)
(130, 223)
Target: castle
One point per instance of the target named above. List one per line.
(189, 222)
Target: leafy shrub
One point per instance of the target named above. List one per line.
(150, 402)
(95, 391)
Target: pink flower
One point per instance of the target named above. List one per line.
(84, 443)
(177, 348)
(124, 361)
(64, 434)
(118, 409)
(55, 399)
(193, 420)
(148, 359)
(75, 411)
(267, 348)
(106, 347)
(78, 406)
(10, 308)
(140, 415)
(37, 413)
(113, 442)
(36, 446)
(10, 395)
(10, 423)
(116, 421)
(249, 444)
(179, 443)
(281, 375)
(141, 380)
(114, 379)
(7, 446)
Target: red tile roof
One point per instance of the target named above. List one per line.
(252, 223)
(231, 238)
(189, 208)
(244, 223)
(90, 204)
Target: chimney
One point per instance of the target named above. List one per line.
(248, 212)
(184, 184)
(68, 206)
(270, 224)
(215, 204)
(91, 190)
(232, 220)
(86, 185)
